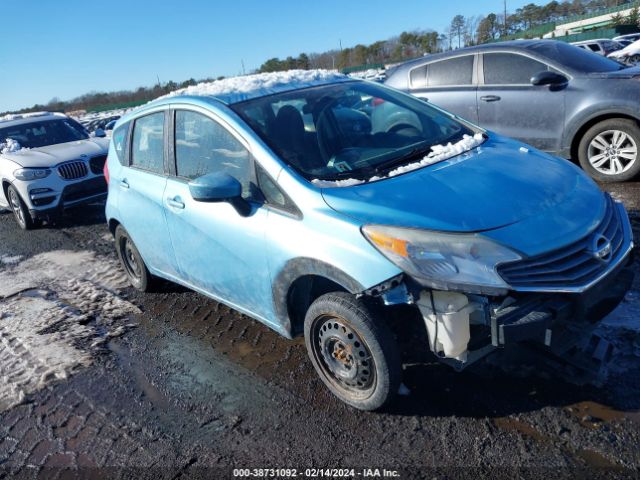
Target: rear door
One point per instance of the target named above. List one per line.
(218, 251)
(450, 84)
(510, 105)
(141, 187)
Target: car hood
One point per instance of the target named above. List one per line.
(526, 199)
(52, 155)
(621, 74)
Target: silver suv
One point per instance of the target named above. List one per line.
(48, 162)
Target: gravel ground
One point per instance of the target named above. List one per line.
(99, 380)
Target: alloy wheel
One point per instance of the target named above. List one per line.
(612, 152)
(16, 206)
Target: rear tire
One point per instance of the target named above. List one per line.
(19, 209)
(131, 260)
(609, 150)
(353, 350)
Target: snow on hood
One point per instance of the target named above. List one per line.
(237, 89)
(44, 157)
(438, 154)
(11, 146)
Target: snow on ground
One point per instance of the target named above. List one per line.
(56, 310)
(236, 89)
(438, 154)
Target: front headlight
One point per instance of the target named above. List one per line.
(443, 260)
(31, 173)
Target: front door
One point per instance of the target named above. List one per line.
(510, 105)
(219, 251)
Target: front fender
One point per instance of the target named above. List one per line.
(577, 122)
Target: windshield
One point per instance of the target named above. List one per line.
(44, 132)
(576, 58)
(349, 129)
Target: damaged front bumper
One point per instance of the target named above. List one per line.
(463, 328)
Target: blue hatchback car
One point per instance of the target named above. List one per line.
(296, 199)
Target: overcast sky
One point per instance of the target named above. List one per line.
(66, 48)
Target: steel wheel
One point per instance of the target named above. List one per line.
(132, 261)
(343, 355)
(612, 152)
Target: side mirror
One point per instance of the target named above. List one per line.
(549, 78)
(99, 133)
(220, 187)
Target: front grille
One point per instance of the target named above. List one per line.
(73, 170)
(572, 266)
(96, 164)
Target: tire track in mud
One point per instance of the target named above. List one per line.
(57, 309)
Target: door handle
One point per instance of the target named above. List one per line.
(490, 98)
(175, 202)
(124, 183)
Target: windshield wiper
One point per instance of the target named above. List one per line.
(414, 153)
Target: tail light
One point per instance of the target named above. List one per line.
(376, 101)
(106, 171)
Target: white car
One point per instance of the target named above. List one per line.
(601, 46)
(629, 54)
(48, 162)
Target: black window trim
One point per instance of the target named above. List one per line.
(522, 54)
(132, 128)
(474, 77)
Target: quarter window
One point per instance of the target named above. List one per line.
(147, 151)
(119, 141)
(204, 146)
(455, 71)
(510, 69)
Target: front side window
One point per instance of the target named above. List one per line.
(45, 132)
(204, 146)
(349, 129)
(147, 150)
(510, 69)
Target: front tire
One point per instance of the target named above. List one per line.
(353, 351)
(608, 151)
(131, 260)
(19, 209)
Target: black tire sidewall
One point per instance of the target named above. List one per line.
(28, 221)
(630, 127)
(365, 320)
(142, 283)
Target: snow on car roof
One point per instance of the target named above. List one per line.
(238, 89)
(22, 117)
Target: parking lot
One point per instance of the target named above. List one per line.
(172, 384)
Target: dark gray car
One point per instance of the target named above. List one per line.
(554, 96)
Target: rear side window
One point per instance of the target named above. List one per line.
(455, 71)
(119, 141)
(204, 146)
(418, 77)
(147, 150)
(594, 47)
(510, 69)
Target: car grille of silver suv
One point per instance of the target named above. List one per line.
(575, 265)
(73, 170)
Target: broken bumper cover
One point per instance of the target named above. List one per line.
(534, 317)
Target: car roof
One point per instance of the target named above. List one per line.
(511, 45)
(22, 118)
(238, 89)
(595, 40)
